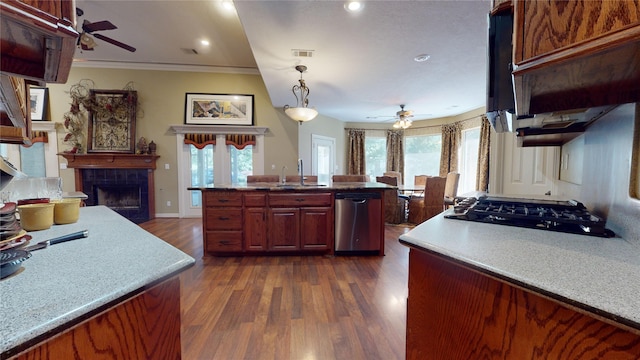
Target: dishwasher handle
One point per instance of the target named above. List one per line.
(360, 197)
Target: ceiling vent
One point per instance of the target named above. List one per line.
(302, 53)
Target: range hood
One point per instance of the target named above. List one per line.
(558, 127)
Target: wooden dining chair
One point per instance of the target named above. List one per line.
(395, 174)
(296, 178)
(350, 178)
(451, 189)
(422, 208)
(394, 204)
(263, 178)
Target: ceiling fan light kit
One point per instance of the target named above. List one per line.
(302, 112)
(86, 41)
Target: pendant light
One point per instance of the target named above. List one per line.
(301, 112)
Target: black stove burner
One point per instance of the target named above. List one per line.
(565, 216)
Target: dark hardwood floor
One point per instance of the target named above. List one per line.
(290, 307)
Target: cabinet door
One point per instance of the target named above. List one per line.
(284, 229)
(255, 229)
(316, 228)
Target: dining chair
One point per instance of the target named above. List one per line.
(422, 208)
(350, 178)
(296, 178)
(395, 174)
(451, 189)
(395, 204)
(418, 183)
(263, 178)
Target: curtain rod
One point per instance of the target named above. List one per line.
(423, 127)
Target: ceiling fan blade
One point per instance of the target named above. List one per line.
(97, 26)
(114, 42)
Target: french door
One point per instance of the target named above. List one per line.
(323, 157)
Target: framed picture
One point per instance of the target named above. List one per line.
(39, 100)
(218, 109)
(112, 121)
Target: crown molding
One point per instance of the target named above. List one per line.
(164, 67)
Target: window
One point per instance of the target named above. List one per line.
(468, 160)
(421, 156)
(375, 150)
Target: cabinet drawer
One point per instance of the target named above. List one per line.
(300, 199)
(223, 219)
(222, 198)
(224, 241)
(255, 200)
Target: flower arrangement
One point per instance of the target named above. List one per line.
(75, 120)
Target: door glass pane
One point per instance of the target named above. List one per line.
(421, 156)
(375, 149)
(201, 171)
(241, 164)
(324, 164)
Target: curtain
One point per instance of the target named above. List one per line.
(395, 150)
(200, 140)
(451, 134)
(482, 173)
(355, 152)
(240, 141)
(38, 136)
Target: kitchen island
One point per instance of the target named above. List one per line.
(114, 292)
(480, 290)
(275, 218)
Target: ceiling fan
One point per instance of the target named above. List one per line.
(86, 41)
(403, 119)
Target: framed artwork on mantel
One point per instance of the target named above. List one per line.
(112, 121)
(218, 109)
(39, 99)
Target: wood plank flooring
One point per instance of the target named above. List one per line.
(290, 307)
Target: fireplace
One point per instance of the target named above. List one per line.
(122, 182)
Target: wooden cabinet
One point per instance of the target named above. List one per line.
(38, 39)
(455, 312)
(575, 54)
(15, 111)
(301, 221)
(37, 43)
(255, 222)
(222, 220)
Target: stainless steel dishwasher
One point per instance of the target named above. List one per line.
(357, 223)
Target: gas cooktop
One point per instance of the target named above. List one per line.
(564, 216)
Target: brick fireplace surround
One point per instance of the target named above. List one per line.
(123, 182)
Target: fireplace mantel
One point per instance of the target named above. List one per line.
(87, 162)
(110, 161)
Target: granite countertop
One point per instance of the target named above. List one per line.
(342, 186)
(598, 276)
(71, 280)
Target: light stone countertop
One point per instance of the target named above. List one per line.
(69, 280)
(598, 276)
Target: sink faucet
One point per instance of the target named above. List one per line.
(282, 177)
(301, 171)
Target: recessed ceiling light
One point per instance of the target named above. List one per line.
(422, 58)
(228, 5)
(353, 6)
(204, 42)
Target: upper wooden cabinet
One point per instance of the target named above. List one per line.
(37, 39)
(575, 54)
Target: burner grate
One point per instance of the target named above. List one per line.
(564, 216)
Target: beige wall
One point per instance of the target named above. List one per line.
(162, 95)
